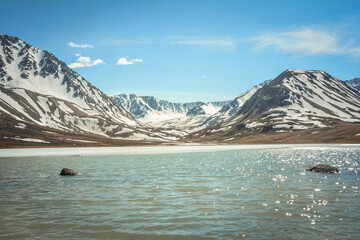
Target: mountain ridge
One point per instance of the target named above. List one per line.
(39, 91)
(140, 106)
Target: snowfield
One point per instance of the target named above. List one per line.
(92, 151)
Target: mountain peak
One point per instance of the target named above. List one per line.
(298, 75)
(301, 71)
(9, 37)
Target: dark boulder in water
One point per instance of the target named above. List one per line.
(324, 168)
(68, 172)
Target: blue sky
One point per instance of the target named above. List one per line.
(190, 50)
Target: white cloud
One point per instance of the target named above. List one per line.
(74, 45)
(127, 61)
(225, 42)
(306, 41)
(218, 42)
(85, 62)
(204, 76)
(137, 60)
(76, 65)
(141, 41)
(124, 61)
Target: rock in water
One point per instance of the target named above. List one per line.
(68, 172)
(324, 168)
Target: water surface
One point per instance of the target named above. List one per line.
(255, 194)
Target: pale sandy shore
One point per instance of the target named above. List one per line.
(92, 151)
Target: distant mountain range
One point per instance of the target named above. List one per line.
(44, 102)
(355, 83)
(179, 118)
(146, 106)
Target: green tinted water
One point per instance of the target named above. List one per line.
(256, 194)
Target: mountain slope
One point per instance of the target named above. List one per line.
(231, 109)
(37, 87)
(296, 99)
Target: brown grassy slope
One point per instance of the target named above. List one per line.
(57, 138)
(340, 133)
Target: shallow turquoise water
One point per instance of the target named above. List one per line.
(255, 194)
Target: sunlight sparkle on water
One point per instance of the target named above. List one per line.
(256, 194)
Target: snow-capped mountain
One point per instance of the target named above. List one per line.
(296, 99)
(37, 87)
(39, 92)
(159, 113)
(204, 109)
(355, 83)
(231, 108)
(143, 106)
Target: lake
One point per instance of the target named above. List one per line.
(258, 193)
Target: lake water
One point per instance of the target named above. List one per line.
(249, 193)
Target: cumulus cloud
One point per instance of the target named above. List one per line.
(74, 45)
(128, 61)
(85, 62)
(306, 41)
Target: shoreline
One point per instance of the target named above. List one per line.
(140, 150)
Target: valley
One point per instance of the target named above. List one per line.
(43, 103)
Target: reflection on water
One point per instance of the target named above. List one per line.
(257, 194)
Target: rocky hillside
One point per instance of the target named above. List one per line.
(232, 108)
(37, 87)
(294, 100)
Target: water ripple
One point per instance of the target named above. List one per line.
(256, 194)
